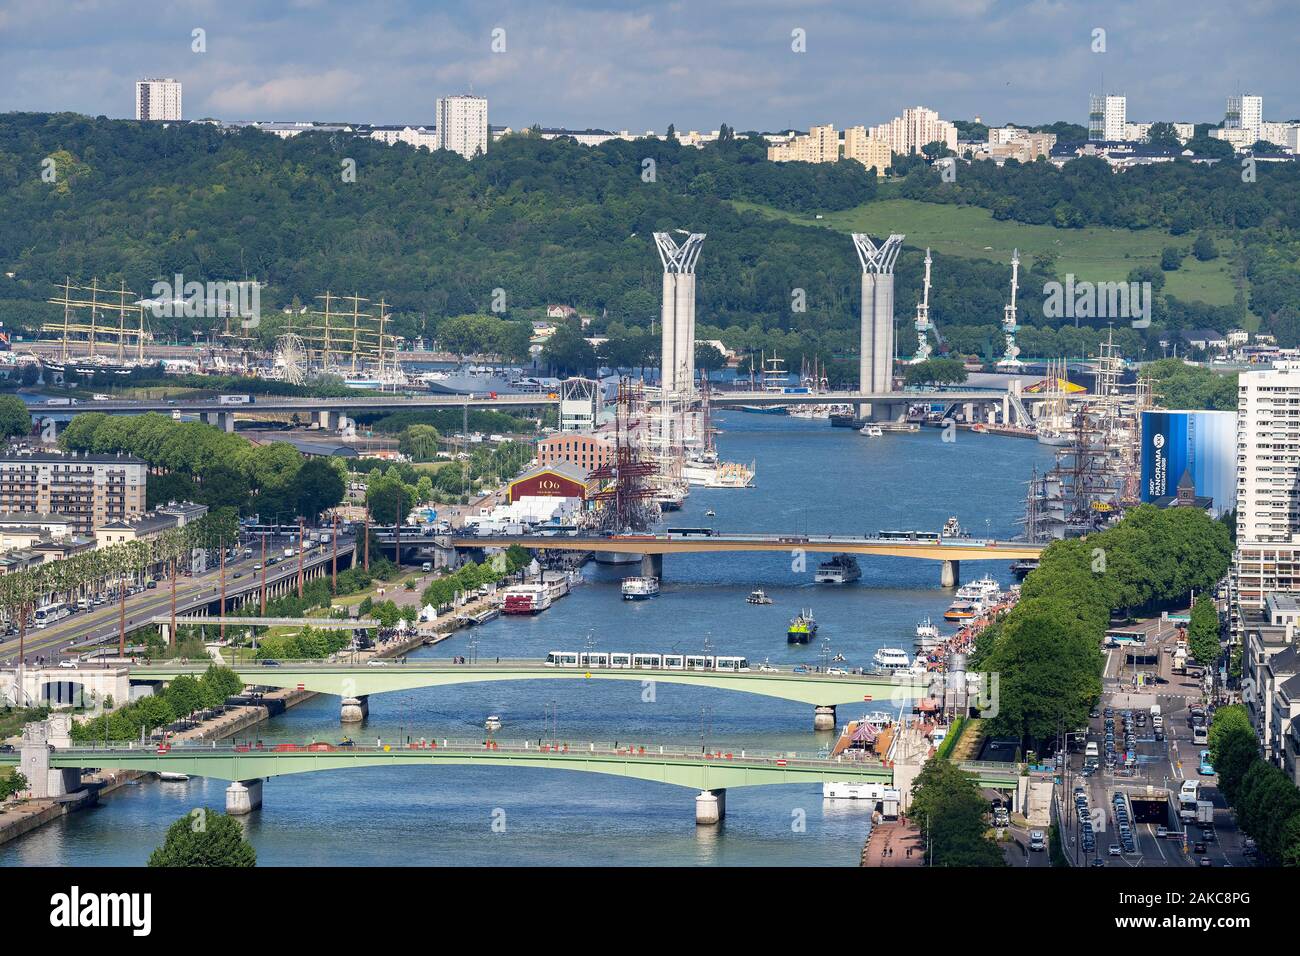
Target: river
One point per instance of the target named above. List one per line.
(810, 479)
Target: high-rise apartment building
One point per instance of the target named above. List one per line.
(462, 125)
(866, 149)
(916, 128)
(92, 490)
(821, 145)
(1245, 112)
(158, 99)
(1107, 116)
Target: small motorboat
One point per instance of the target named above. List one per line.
(492, 723)
(710, 513)
(169, 776)
(758, 596)
(871, 431)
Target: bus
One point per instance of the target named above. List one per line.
(689, 532)
(47, 614)
(1188, 796)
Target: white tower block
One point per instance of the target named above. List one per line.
(876, 355)
(677, 312)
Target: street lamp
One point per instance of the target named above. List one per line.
(706, 726)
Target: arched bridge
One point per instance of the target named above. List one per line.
(352, 680)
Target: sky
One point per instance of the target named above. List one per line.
(637, 66)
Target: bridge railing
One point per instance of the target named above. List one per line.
(676, 751)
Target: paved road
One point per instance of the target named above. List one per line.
(1161, 764)
(86, 628)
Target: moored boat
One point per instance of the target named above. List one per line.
(890, 660)
(758, 596)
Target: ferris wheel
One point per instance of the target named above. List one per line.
(291, 358)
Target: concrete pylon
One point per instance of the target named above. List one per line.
(824, 717)
(876, 343)
(677, 310)
(243, 797)
(710, 807)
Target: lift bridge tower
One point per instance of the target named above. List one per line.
(677, 313)
(876, 353)
(923, 324)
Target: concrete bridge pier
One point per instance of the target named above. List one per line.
(710, 807)
(243, 797)
(652, 566)
(824, 717)
(326, 419)
(354, 709)
(223, 420)
(950, 574)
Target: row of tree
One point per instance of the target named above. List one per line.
(179, 699)
(103, 569)
(470, 575)
(1047, 649)
(198, 462)
(1266, 800)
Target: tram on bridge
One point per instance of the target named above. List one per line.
(623, 661)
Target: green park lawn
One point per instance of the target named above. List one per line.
(1097, 254)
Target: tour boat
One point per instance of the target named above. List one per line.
(889, 660)
(638, 589)
(927, 635)
(758, 596)
(962, 611)
(170, 776)
(492, 723)
(841, 569)
(525, 599)
(802, 629)
(871, 431)
(985, 591)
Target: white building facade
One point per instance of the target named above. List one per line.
(1107, 116)
(158, 99)
(462, 124)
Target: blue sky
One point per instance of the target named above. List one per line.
(642, 66)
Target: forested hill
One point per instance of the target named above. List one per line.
(545, 221)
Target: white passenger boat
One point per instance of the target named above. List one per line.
(638, 588)
(927, 635)
(492, 723)
(168, 776)
(889, 660)
(871, 431)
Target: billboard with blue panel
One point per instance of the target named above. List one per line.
(1203, 443)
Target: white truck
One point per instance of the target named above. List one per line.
(234, 399)
(60, 401)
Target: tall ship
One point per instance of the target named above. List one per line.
(773, 378)
(840, 569)
(802, 629)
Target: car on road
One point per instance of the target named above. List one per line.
(151, 584)
(238, 575)
(1198, 847)
(1205, 769)
(71, 664)
(802, 669)
(1162, 832)
(837, 671)
(270, 663)
(1207, 835)
(377, 662)
(1036, 841)
(1205, 861)
(257, 567)
(1115, 850)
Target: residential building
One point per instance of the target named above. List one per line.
(92, 490)
(915, 129)
(417, 136)
(870, 152)
(1010, 142)
(1245, 112)
(462, 124)
(1107, 116)
(1141, 132)
(820, 145)
(158, 99)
